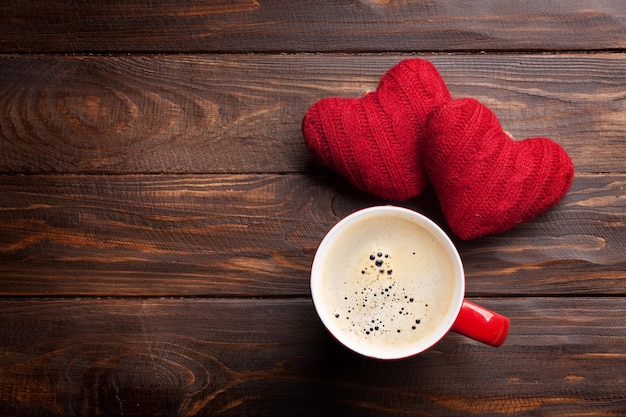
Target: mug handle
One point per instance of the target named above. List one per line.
(480, 324)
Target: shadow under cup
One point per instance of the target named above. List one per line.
(388, 283)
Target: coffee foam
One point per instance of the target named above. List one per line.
(388, 286)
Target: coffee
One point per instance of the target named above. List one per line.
(388, 285)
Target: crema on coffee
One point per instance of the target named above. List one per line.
(388, 285)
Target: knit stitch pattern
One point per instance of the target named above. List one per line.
(487, 182)
(375, 142)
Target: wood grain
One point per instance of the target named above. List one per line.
(45, 26)
(255, 235)
(243, 114)
(159, 211)
(272, 357)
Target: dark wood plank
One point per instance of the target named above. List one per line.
(241, 113)
(287, 26)
(272, 357)
(255, 235)
(213, 235)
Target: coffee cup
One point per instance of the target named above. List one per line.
(388, 283)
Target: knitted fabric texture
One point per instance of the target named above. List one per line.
(375, 142)
(487, 182)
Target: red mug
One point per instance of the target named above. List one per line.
(388, 283)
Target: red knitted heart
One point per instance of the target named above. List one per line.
(487, 182)
(375, 141)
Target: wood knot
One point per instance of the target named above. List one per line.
(163, 382)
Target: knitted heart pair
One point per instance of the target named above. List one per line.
(392, 142)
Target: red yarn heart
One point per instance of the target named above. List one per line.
(375, 141)
(487, 182)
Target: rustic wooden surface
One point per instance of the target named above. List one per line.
(159, 211)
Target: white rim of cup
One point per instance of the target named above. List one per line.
(430, 226)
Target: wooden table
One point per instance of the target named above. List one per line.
(159, 211)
